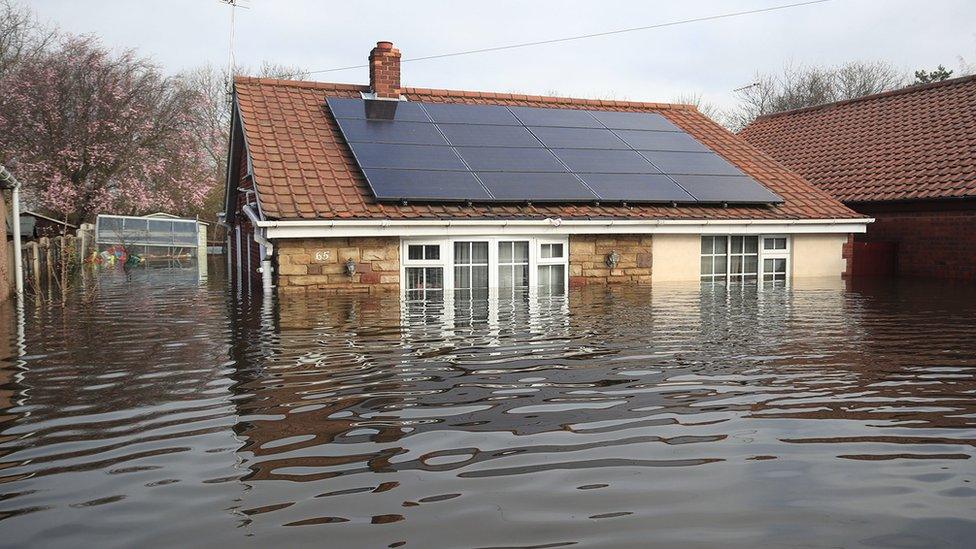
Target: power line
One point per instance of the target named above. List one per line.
(584, 36)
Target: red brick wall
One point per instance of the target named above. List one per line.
(933, 239)
(384, 70)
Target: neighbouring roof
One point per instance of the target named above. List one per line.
(303, 169)
(909, 144)
(47, 218)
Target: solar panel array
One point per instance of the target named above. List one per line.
(493, 153)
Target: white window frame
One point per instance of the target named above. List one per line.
(762, 255)
(561, 260)
(446, 260)
(469, 265)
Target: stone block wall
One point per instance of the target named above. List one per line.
(588, 253)
(320, 264)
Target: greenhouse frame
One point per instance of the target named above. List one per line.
(156, 237)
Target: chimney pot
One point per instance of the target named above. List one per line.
(384, 70)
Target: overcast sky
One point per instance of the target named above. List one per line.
(710, 58)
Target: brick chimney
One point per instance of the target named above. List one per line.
(384, 70)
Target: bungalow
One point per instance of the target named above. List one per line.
(906, 158)
(341, 187)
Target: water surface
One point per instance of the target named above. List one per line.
(154, 410)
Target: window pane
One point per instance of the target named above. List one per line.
(751, 264)
(479, 277)
(462, 253)
(521, 276)
(435, 277)
(557, 276)
(415, 251)
(735, 265)
(521, 252)
(462, 277)
(706, 265)
(551, 279)
(546, 251)
(768, 266)
(719, 265)
(706, 244)
(479, 253)
(721, 245)
(415, 278)
(504, 252)
(557, 250)
(752, 244)
(736, 245)
(780, 265)
(504, 276)
(432, 252)
(778, 243)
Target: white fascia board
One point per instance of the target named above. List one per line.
(428, 227)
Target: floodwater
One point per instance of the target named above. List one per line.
(155, 410)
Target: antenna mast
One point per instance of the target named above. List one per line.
(234, 4)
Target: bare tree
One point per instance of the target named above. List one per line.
(710, 110)
(21, 35)
(212, 115)
(806, 86)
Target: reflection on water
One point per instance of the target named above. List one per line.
(157, 411)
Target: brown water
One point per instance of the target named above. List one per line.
(157, 411)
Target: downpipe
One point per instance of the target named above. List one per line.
(267, 249)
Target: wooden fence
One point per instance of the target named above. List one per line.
(45, 257)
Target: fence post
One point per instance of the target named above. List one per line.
(85, 234)
(46, 244)
(35, 254)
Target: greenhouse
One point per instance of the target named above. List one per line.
(159, 236)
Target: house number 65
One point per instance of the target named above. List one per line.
(322, 255)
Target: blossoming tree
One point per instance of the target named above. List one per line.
(89, 131)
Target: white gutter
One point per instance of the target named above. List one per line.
(435, 227)
(6, 176)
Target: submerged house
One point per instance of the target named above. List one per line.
(342, 187)
(906, 158)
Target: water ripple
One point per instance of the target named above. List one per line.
(155, 410)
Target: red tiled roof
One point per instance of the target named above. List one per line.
(914, 143)
(303, 169)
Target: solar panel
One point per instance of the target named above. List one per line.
(369, 131)
(411, 157)
(636, 187)
(552, 187)
(400, 111)
(481, 135)
(577, 138)
(660, 141)
(565, 118)
(509, 159)
(424, 185)
(726, 188)
(458, 152)
(691, 163)
(634, 121)
(470, 114)
(604, 161)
